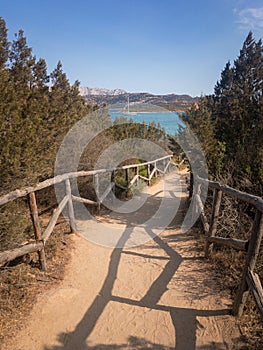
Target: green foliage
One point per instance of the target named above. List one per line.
(202, 124)
(143, 171)
(34, 118)
(14, 226)
(124, 129)
(237, 111)
(229, 123)
(4, 44)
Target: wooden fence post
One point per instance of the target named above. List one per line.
(137, 174)
(163, 166)
(168, 165)
(155, 166)
(191, 184)
(251, 258)
(149, 173)
(70, 206)
(217, 197)
(113, 181)
(127, 177)
(200, 204)
(196, 192)
(96, 184)
(37, 228)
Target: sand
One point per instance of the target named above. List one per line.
(159, 295)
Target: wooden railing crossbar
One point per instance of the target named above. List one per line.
(83, 200)
(54, 219)
(10, 255)
(255, 286)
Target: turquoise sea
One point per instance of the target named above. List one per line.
(167, 120)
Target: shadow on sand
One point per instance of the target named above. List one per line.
(184, 319)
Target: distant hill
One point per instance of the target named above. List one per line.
(89, 91)
(105, 96)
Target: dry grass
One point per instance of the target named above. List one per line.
(236, 221)
(229, 263)
(22, 281)
(251, 326)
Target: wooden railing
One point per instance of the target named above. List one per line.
(250, 280)
(154, 167)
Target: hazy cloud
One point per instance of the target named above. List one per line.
(250, 18)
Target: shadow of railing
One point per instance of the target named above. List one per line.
(184, 320)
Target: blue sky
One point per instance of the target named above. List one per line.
(158, 46)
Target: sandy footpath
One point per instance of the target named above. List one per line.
(159, 295)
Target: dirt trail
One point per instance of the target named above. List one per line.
(159, 295)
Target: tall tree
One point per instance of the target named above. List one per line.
(22, 61)
(4, 44)
(66, 105)
(40, 76)
(202, 124)
(238, 109)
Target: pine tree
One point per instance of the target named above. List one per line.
(22, 61)
(4, 44)
(201, 123)
(9, 114)
(222, 108)
(40, 76)
(66, 105)
(60, 97)
(28, 123)
(238, 109)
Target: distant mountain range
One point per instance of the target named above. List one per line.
(89, 91)
(106, 96)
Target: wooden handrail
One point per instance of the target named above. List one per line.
(256, 201)
(60, 178)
